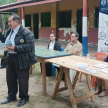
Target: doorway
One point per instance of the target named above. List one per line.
(79, 24)
(36, 25)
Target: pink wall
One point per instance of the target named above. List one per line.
(93, 36)
(62, 37)
(44, 33)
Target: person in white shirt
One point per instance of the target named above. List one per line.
(53, 45)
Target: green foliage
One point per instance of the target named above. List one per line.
(4, 17)
(2, 2)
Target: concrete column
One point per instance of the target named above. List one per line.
(54, 17)
(84, 31)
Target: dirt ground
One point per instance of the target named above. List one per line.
(38, 100)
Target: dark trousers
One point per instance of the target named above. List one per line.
(49, 68)
(15, 76)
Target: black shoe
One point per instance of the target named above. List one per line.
(22, 102)
(7, 100)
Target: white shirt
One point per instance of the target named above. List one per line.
(12, 37)
(51, 45)
(15, 31)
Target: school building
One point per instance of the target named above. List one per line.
(62, 17)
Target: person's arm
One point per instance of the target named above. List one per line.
(66, 49)
(77, 50)
(57, 46)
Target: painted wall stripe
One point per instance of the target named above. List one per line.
(84, 31)
(84, 26)
(85, 8)
(22, 11)
(23, 18)
(23, 22)
(85, 46)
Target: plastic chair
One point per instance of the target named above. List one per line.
(62, 49)
(53, 67)
(99, 56)
(53, 70)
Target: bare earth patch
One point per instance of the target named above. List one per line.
(38, 100)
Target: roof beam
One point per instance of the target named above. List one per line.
(22, 4)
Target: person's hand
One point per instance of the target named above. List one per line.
(11, 48)
(0, 30)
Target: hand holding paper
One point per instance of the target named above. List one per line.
(8, 43)
(3, 46)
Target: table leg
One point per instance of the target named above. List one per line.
(75, 80)
(90, 86)
(44, 77)
(30, 71)
(65, 84)
(58, 83)
(70, 89)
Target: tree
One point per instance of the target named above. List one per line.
(4, 17)
(2, 2)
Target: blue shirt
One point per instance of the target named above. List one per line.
(12, 37)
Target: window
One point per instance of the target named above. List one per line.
(46, 19)
(96, 17)
(27, 20)
(65, 19)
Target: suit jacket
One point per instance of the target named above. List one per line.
(24, 46)
(57, 46)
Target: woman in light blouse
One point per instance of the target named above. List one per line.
(53, 45)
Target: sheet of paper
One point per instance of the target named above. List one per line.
(81, 65)
(91, 70)
(8, 43)
(3, 45)
(104, 71)
(56, 65)
(101, 66)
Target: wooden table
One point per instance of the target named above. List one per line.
(43, 54)
(69, 62)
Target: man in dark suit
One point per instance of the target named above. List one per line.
(20, 57)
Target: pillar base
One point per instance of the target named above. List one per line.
(85, 46)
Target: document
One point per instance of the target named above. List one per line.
(104, 71)
(56, 65)
(91, 70)
(81, 65)
(3, 46)
(101, 66)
